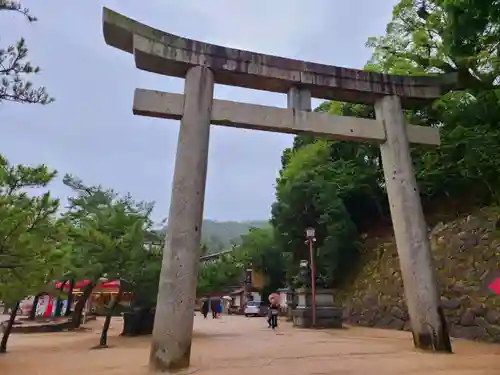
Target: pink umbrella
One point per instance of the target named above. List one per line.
(274, 298)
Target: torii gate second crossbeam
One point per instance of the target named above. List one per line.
(202, 65)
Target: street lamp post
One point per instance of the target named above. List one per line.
(248, 283)
(310, 232)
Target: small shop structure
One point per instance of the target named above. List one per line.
(249, 291)
(102, 294)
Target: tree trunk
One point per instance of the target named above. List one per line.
(57, 311)
(8, 329)
(77, 314)
(109, 314)
(34, 305)
(70, 297)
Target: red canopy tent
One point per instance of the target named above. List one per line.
(109, 285)
(103, 289)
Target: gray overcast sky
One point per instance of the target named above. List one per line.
(90, 130)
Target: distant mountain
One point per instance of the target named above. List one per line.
(220, 235)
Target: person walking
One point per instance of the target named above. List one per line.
(204, 307)
(274, 310)
(219, 308)
(213, 307)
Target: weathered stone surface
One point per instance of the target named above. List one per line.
(325, 318)
(479, 310)
(384, 321)
(407, 326)
(473, 223)
(492, 317)
(173, 322)
(169, 54)
(467, 318)
(399, 313)
(450, 304)
(398, 324)
(471, 333)
(471, 311)
(371, 300)
(160, 104)
(492, 330)
(410, 231)
(469, 241)
(328, 315)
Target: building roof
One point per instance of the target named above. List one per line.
(214, 255)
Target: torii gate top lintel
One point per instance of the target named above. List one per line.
(167, 54)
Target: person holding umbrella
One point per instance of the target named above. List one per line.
(274, 310)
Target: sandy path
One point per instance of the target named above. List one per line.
(237, 345)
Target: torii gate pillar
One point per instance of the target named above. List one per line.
(410, 231)
(203, 64)
(173, 325)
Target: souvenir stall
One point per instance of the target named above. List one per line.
(101, 296)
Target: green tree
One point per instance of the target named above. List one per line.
(33, 251)
(15, 67)
(442, 36)
(108, 234)
(143, 272)
(225, 272)
(259, 249)
(309, 193)
(461, 37)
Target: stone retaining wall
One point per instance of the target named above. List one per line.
(475, 323)
(466, 253)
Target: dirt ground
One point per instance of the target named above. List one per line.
(238, 345)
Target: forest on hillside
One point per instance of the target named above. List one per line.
(221, 235)
(217, 236)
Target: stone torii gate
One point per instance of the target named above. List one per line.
(202, 65)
